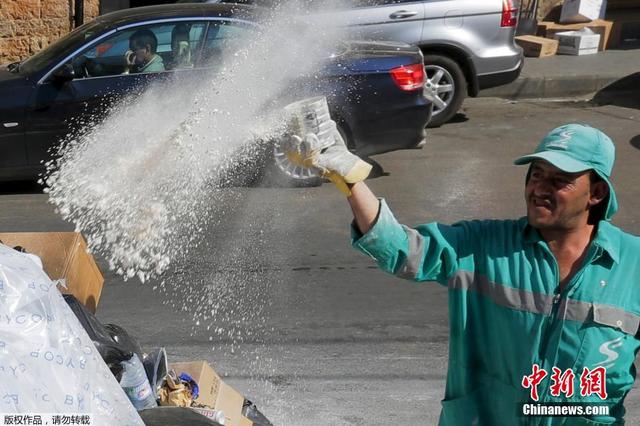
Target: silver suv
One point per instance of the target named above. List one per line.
(468, 45)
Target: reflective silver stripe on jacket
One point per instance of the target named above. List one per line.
(412, 263)
(613, 316)
(538, 303)
(509, 297)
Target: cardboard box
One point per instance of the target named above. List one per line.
(214, 392)
(245, 421)
(598, 26)
(207, 379)
(582, 10)
(64, 257)
(583, 42)
(230, 402)
(537, 47)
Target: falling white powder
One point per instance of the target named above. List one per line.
(139, 184)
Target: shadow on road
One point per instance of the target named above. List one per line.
(20, 187)
(377, 170)
(460, 117)
(635, 142)
(624, 92)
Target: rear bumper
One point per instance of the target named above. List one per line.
(487, 81)
(390, 130)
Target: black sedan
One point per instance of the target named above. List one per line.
(375, 90)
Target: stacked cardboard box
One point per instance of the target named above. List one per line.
(582, 42)
(537, 47)
(574, 11)
(598, 26)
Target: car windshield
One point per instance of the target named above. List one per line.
(61, 47)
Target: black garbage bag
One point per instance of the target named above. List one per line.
(174, 416)
(250, 411)
(124, 339)
(111, 351)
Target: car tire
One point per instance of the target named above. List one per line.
(274, 176)
(445, 85)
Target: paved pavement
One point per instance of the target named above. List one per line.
(305, 326)
(562, 76)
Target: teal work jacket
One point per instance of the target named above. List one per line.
(506, 312)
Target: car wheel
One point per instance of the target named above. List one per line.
(445, 85)
(274, 175)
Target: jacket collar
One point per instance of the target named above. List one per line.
(607, 237)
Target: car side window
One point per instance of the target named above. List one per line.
(142, 49)
(220, 36)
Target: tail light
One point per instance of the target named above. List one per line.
(509, 14)
(410, 77)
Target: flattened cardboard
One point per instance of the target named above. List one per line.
(537, 47)
(214, 392)
(64, 257)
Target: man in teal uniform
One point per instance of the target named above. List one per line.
(544, 309)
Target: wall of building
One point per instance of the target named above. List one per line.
(27, 26)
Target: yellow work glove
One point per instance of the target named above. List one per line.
(335, 163)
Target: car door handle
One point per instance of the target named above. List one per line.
(402, 14)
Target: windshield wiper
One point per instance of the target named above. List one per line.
(14, 66)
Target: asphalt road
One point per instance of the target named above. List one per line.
(277, 301)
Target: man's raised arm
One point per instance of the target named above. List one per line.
(365, 206)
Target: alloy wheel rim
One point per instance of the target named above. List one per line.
(439, 87)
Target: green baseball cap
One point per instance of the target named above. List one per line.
(576, 148)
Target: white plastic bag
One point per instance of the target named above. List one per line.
(48, 363)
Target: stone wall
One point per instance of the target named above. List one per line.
(27, 26)
(545, 6)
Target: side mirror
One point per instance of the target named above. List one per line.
(64, 73)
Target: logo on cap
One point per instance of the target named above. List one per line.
(563, 140)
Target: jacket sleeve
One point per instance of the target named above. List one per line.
(429, 252)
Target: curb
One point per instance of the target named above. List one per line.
(551, 87)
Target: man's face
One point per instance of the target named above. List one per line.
(557, 200)
(142, 52)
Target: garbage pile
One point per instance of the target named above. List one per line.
(57, 357)
(583, 27)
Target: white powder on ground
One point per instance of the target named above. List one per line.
(139, 185)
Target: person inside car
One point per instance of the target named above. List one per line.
(143, 57)
(180, 48)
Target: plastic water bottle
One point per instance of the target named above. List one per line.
(136, 385)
